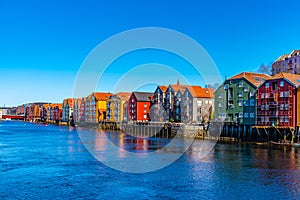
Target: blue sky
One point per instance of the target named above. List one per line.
(43, 43)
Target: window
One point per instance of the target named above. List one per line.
(252, 115)
(281, 119)
(286, 106)
(246, 103)
(206, 101)
(267, 107)
(251, 94)
(281, 106)
(262, 107)
(210, 102)
(267, 95)
(240, 94)
(267, 85)
(262, 119)
(246, 115)
(281, 83)
(287, 94)
(246, 89)
(240, 115)
(226, 87)
(230, 93)
(145, 105)
(145, 116)
(240, 103)
(240, 84)
(145, 111)
(274, 86)
(286, 119)
(220, 104)
(281, 94)
(199, 103)
(263, 95)
(220, 95)
(252, 102)
(266, 119)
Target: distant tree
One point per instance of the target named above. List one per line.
(265, 69)
(214, 86)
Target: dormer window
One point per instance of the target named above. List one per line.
(267, 85)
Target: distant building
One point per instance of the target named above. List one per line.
(115, 106)
(235, 99)
(82, 110)
(95, 107)
(171, 98)
(56, 112)
(158, 104)
(278, 101)
(125, 111)
(20, 110)
(197, 104)
(139, 106)
(289, 63)
(67, 109)
(76, 109)
(45, 112)
(4, 110)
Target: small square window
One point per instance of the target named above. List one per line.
(267, 85)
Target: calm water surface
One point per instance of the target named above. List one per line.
(50, 162)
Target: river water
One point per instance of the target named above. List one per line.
(50, 162)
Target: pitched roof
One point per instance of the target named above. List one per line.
(123, 95)
(142, 96)
(292, 78)
(254, 78)
(54, 105)
(69, 101)
(177, 87)
(292, 54)
(282, 57)
(198, 92)
(102, 96)
(163, 88)
(295, 53)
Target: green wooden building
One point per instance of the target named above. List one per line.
(235, 99)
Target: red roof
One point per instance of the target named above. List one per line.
(123, 95)
(102, 96)
(163, 88)
(198, 92)
(254, 78)
(293, 78)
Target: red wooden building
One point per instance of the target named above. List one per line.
(139, 106)
(277, 101)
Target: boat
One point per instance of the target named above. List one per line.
(261, 143)
(281, 144)
(295, 144)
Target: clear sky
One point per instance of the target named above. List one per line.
(43, 43)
